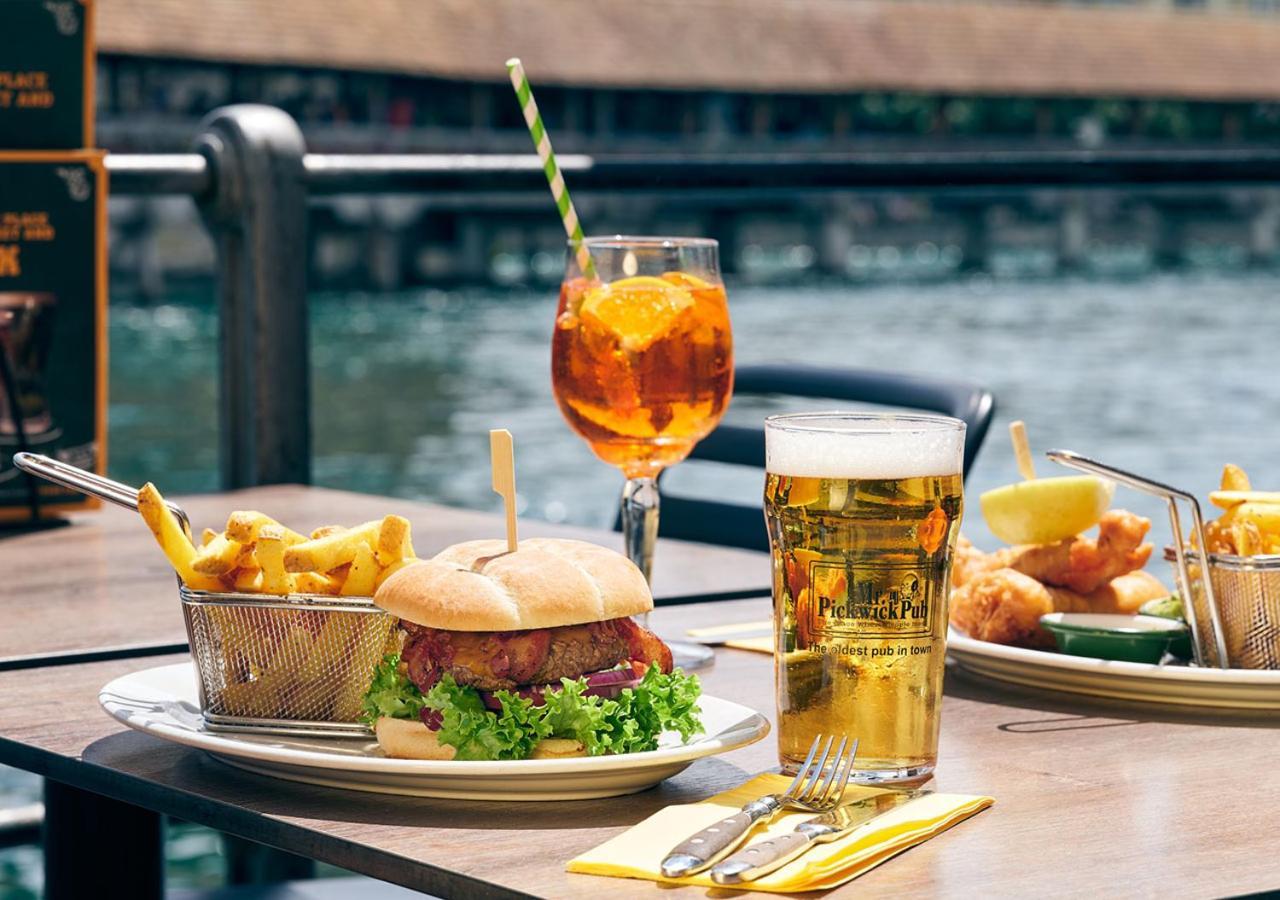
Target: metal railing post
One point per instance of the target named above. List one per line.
(257, 214)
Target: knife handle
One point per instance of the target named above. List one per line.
(761, 858)
(713, 843)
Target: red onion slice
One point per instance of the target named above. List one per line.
(608, 684)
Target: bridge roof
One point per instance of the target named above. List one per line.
(801, 46)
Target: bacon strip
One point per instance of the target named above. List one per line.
(501, 660)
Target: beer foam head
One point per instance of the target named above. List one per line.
(863, 445)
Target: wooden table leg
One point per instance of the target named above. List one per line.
(95, 846)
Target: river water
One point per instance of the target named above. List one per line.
(1169, 375)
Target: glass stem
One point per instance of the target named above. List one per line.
(640, 521)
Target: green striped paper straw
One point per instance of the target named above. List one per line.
(542, 141)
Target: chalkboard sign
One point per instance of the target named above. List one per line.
(52, 321)
(46, 74)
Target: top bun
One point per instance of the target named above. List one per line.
(546, 583)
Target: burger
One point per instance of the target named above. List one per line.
(524, 654)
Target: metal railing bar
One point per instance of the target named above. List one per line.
(159, 173)
(20, 825)
(326, 174)
(877, 170)
(682, 599)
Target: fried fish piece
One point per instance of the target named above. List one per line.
(1004, 606)
(1085, 564)
(1125, 593)
(970, 562)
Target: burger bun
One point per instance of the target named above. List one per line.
(409, 739)
(546, 583)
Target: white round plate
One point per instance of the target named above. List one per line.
(1182, 685)
(162, 702)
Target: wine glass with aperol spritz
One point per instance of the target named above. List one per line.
(642, 365)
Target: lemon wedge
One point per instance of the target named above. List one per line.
(1045, 510)
(639, 310)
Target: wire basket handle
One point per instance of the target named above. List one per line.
(1171, 496)
(89, 483)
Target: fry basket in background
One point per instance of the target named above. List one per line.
(1234, 613)
(297, 664)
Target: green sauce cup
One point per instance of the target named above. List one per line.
(1139, 639)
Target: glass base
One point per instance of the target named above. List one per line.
(690, 656)
(904, 775)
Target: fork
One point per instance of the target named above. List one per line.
(808, 791)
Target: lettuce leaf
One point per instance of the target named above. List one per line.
(479, 733)
(391, 693)
(628, 723)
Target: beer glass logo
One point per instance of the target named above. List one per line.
(869, 602)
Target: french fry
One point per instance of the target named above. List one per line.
(393, 569)
(326, 530)
(1246, 539)
(239, 699)
(371, 636)
(393, 540)
(1266, 516)
(395, 642)
(1231, 499)
(330, 644)
(248, 557)
(363, 575)
(332, 550)
(218, 557)
(244, 526)
(1234, 478)
(172, 538)
(264, 697)
(206, 536)
(246, 580)
(271, 553)
(315, 583)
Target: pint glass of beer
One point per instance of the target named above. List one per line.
(863, 513)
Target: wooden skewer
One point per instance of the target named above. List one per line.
(1022, 449)
(502, 457)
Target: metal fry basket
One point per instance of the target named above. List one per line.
(1234, 614)
(1247, 590)
(298, 664)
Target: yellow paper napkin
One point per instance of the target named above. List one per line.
(639, 851)
(759, 643)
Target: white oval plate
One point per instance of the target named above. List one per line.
(162, 701)
(1182, 685)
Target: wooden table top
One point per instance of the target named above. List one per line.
(1093, 798)
(102, 582)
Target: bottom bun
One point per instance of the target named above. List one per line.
(557, 748)
(410, 739)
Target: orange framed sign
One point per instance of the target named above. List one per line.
(47, 73)
(53, 321)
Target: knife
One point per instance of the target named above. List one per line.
(771, 854)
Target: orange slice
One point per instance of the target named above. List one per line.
(685, 280)
(638, 310)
